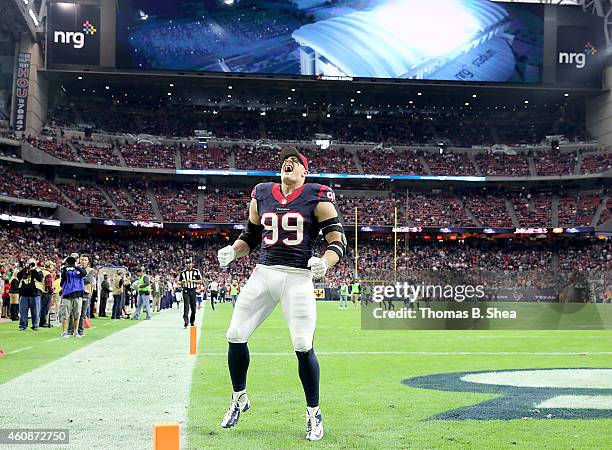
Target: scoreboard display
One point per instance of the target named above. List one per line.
(464, 41)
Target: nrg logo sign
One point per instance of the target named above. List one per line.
(578, 59)
(76, 38)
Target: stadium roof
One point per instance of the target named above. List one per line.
(394, 39)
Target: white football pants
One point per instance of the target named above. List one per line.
(267, 286)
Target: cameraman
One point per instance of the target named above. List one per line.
(30, 288)
(88, 283)
(73, 287)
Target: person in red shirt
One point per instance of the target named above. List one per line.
(5, 299)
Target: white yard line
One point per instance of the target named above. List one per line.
(427, 353)
(110, 393)
(21, 349)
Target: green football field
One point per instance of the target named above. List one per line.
(363, 400)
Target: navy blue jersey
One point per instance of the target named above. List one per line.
(290, 226)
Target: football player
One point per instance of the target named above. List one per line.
(285, 218)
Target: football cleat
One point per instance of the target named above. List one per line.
(236, 407)
(314, 426)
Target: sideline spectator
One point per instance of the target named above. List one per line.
(88, 282)
(48, 279)
(105, 291)
(144, 294)
(30, 288)
(72, 285)
(157, 292)
(14, 297)
(118, 282)
(5, 299)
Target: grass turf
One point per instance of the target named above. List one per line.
(45, 348)
(363, 402)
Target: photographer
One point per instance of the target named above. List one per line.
(88, 282)
(73, 287)
(30, 288)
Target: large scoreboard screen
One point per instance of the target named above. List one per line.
(451, 40)
(464, 41)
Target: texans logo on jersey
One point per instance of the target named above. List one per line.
(290, 226)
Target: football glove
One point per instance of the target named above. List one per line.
(318, 267)
(226, 255)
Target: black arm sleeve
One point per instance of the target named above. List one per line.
(333, 224)
(252, 235)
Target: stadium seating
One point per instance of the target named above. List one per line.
(15, 184)
(503, 165)
(549, 163)
(89, 199)
(97, 154)
(149, 156)
(53, 147)
(532, 209)
(164, 255)
(176, 204)
(489, 209)
(596, 162)
(449, 164)
(391, 162)
(204, 158)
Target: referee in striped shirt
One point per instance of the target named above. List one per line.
(190, 279)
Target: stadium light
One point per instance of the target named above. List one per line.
(368, 117)
(171, 84)
(33, 16)
(107, 87)
(566, 94)
(230, 87)
(526, 101)
(292, 89)
(359, 92)
(473, 95)
(79, 77)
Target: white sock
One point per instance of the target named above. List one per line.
(236, 395)
(312, 410)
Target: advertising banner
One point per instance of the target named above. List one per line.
(22, 89)
(73, 34)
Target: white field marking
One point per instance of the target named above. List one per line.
(426, 353)
(54, 339)
(557, 378)
(21, 349)
(142, 376)
(578, 402)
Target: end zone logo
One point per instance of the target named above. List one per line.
(76, 38)
(578, 59)
(565, 393)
